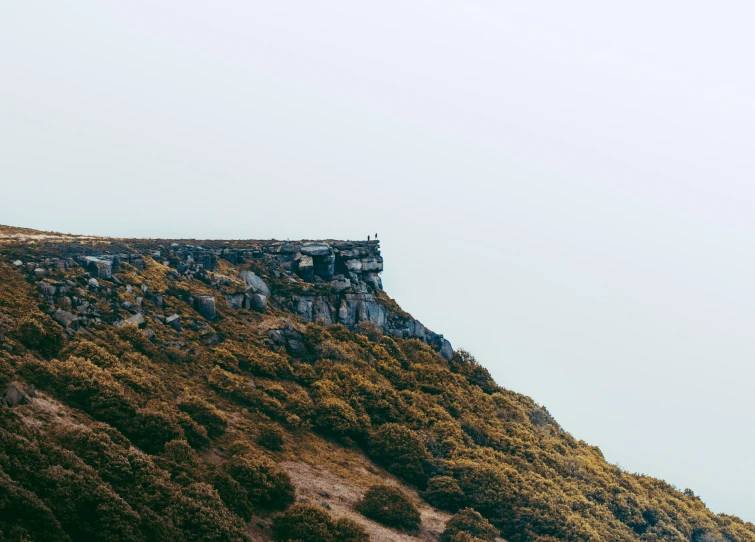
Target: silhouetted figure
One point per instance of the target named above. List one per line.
(368, 238)
(376, 237)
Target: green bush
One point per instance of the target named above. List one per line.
(303, 522)
(271, 437)
(204, 414)
(234, 495)
(335, 417)
(40, 333)
(444, 492)
(401, 451)
(264, 482)
(470, 522)
(390, 506)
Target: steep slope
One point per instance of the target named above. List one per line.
(192, 390)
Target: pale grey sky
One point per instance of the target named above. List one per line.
(563, 188)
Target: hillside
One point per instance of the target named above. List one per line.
(257, 390)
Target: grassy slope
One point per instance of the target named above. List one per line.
(112, 448)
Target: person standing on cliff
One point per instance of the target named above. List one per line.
(368, 238)
(376, 237)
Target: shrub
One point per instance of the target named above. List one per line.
(444, 492)
(243, 391)
(334, 416)
(225, 360)
(312, 524)
(204, 414)
(373, 331)
(400, 450)
(346, 530)
(470, 522)
(271, 437)
(390, 506)
(264, 483)
(263, 362)
(40, 333)
(233, 494)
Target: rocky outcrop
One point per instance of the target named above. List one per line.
(330, 282)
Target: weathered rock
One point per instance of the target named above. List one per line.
(15, 395)
(304, 307)
(18, 263)
(174, 321)
(325, 267)
(235, 301)
(66, 319)
(137, 320)
(295, 347)
(39, 272)
(47, 288)
(321, 312)
(149, 334)
(446, 350)
(255, 283)
(355, 266)
(211, 339)
(93, 283)
(205, 305)
(306, 268)
(340, 284)
(316, 249)
(259, 302)
(276, 335)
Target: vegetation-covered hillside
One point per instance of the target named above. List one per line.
(143, 416)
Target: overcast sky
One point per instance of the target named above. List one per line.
(563, 188)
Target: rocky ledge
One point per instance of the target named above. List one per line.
(330, 282)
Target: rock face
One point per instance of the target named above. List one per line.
(329, 282)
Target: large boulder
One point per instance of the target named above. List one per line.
(316, 249)
(174, 321)
(15, 394)
(306, 268)
(47, 288)
(259, 302)
(66, 319)
(136, 320)
(235, 301)
(255, 283)
(205, 305)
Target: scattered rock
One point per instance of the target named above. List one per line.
(235, 301)
(296, 348)
(66, 319)
(259, 302)
(255, 283)
(93, 283)
(205, 305)
(137, 320)
(15, 395)
(174, 321)
(18, 263)
(47, 288)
